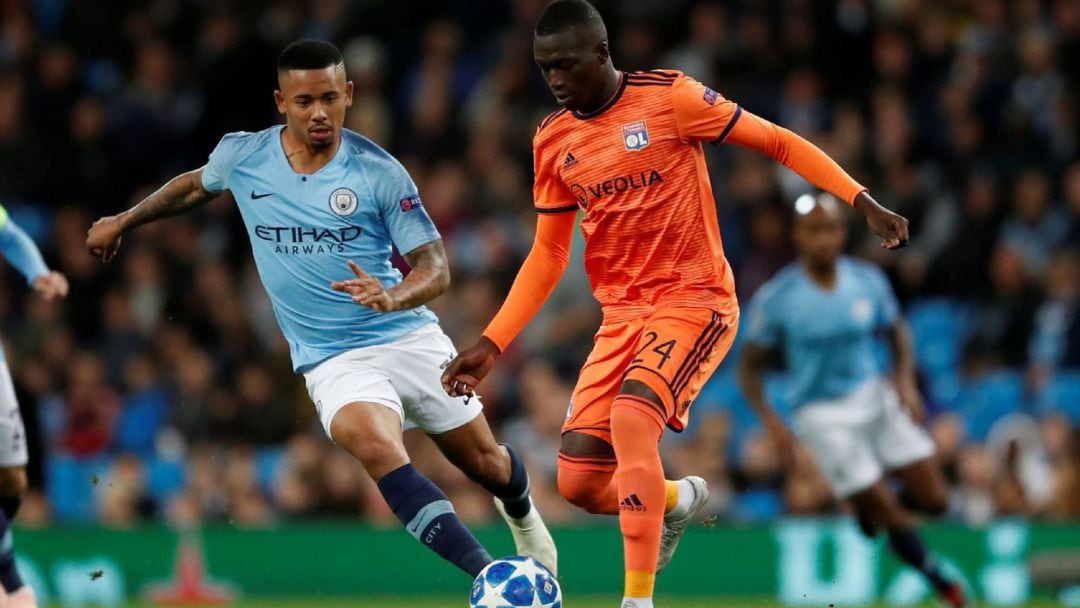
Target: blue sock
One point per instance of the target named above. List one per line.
(9, 576)
(910, 548)
(515, 494)
(430, 517)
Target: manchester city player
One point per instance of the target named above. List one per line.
(319, 201)
(21, 252)
(822, 314)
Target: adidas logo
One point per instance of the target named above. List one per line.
(570, 160)
(631, 503)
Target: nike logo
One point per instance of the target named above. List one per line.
(256, 197)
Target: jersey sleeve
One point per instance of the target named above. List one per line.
(215, 175)
(701, 113)
(550, 193)
(795, 153)
(19, 249)
(763, 328)
(401, 207)
(537, 278)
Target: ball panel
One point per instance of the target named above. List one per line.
(499, 571)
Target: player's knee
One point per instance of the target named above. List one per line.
(13, 481)
(580, 489)
(378, 453)
(571, 489)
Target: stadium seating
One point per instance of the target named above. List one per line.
(938, 327)
(984, 400)
(1062, 395)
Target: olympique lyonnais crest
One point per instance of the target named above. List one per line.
(343, 201)
(635, 135)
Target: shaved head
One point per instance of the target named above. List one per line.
(562, 15)
(820, 229)
(825, 204)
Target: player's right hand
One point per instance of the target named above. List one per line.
(103, 238)
(467, 369)
(51, 285)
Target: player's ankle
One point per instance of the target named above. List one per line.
(684, 501)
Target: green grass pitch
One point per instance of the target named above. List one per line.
(450, 602)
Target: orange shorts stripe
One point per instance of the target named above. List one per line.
(698, 357)
(587, 464)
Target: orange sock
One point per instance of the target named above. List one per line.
(635, 431)
(589, 483)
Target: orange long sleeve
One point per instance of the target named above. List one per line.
(539, 275)
(796, 153)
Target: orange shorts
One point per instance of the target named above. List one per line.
(673, 351)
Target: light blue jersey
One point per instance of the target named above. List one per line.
(827, 337)
(21, 252)
(304, 228)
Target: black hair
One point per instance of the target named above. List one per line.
(565, 14)
(309, 55)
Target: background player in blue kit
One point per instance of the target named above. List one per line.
(822, 315)
(318, 201)
(21, 252)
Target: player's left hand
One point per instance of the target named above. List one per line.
(912, 401)
(891, 227)
(472, 365)
(366, 290)
(51, 285)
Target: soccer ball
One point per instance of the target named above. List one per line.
(515, 582)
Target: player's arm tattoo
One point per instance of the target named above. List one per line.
(179, 195)
(428, 279)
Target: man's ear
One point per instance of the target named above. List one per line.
(603, 53)
(279, 99)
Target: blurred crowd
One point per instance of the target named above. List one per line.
(161, 390)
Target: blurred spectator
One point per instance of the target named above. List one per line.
(1071, 188)
(1003, 324)
(1035, 227)
(1055, 341)
(91, 408)
(961, 269)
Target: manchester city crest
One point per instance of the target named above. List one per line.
(343, 201)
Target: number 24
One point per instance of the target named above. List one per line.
(663, 349)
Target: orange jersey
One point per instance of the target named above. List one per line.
(637, 168)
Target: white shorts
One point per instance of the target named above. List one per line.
(12, 434)
(405, 376)
(858, 437)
